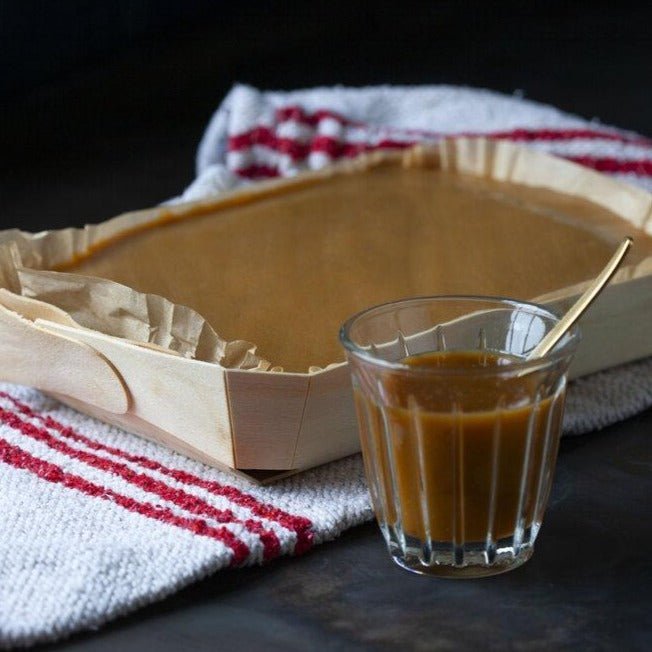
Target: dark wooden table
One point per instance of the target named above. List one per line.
(119, 132)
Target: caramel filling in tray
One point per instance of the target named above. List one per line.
(285, 270)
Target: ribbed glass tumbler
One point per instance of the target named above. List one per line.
(459, 431)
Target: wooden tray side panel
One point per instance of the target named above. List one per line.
(504, 161)
(185, 398)
(30, 355)
(329, 429)
(133, 424)
(266, 413)
(616, 330)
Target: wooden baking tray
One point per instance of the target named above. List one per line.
(212, 326)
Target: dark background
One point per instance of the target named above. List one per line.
(102, 104)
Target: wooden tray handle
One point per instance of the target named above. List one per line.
(30, 355)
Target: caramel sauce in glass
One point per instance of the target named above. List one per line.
(464, 456)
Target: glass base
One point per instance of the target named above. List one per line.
(442, 559)
(413, 564)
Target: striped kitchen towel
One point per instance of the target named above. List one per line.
(258, 135)
(96, 522)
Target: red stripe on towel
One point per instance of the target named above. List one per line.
(264, 136)
(298, 524)
(340, 149)
(639, 167)
(337, 148)
(297, 151)
(313, 118)
(258, 172)
(528, 135)
(178, 497)
(20, 459)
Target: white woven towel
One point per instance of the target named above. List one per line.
(96, 522)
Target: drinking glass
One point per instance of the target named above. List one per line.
(459, 431)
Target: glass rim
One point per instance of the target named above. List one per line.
(560, 352)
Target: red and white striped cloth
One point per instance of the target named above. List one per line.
(257, 135)
(95, 522)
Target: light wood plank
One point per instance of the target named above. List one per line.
(186, 398)
(266, 413)
(31, 355)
